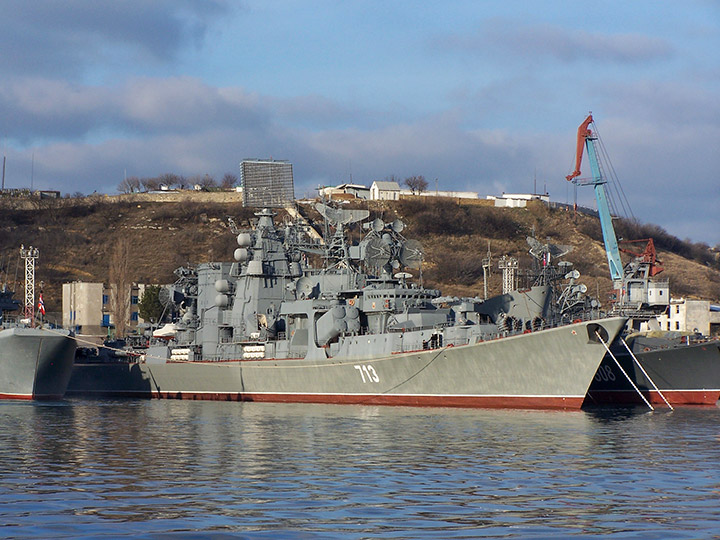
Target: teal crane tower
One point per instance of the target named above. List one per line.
(587, 140)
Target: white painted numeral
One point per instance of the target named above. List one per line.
(368, 373)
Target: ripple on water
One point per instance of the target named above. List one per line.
(85, 468)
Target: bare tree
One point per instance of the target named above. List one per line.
(229, 181)
(206, 182)
(120, 282)
(170, 180)
(417, 184)
(150, 184)
(123, 187)
(129, 185)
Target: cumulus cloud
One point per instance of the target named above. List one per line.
(41, 109)
(68, 37)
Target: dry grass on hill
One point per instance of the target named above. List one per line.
(75, 238)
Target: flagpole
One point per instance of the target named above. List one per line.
(41, 304)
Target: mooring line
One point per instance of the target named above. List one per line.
(624, 372)
(646, 374)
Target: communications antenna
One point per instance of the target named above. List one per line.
(486, 262)
(30, 255)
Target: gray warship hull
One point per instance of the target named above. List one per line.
(549, 368)
(35, 363)
(684, 374)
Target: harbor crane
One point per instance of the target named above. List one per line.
(635, 293)
(586, 139)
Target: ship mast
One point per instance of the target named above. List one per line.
(29, 254)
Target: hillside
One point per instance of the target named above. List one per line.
(76, 236)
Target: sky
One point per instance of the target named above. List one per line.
(475, 95)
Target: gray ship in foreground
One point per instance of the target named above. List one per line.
(271, 326)
(35, 363)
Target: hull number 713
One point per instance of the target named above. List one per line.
(368, 373)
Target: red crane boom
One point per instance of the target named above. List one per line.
(582, 134)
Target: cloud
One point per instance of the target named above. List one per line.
(504, 38)
(674, 102)
(93, 91)
(68, 37)
(666, 175)
(39, 109)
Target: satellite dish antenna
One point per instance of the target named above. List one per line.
(378, 225)
(168, 296)
(557, 250)
(398, 226)
(165, 297)
(377, 253)
(538, 249)
(303, 287)
(411, 254)
(340, 216)
(574, 274)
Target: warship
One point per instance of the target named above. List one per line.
(35, 363)
(355, 328)
(645, 363)
(661, 366)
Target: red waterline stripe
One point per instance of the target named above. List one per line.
(496, 402)
(16, 396)
(675, 397)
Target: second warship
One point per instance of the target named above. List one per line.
(35, 363)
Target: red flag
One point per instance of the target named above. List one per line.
(41, 305)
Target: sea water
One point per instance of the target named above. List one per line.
(190, 469)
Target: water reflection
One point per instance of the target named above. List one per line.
(87, 468)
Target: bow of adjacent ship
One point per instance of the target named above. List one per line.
(35, 363)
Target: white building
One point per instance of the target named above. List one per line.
(517, 200)
(691, 316)
(385, 191)
(436, 193)
(344, 191)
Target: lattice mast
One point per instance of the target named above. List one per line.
(30, 254)
(509, 266)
